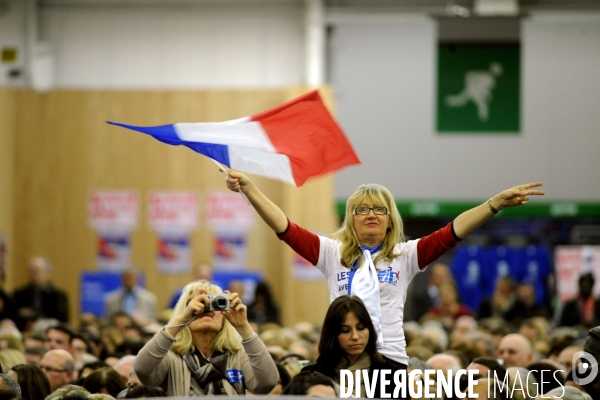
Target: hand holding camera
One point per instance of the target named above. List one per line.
(237, 315)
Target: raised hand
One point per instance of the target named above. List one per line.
(517, 195)
(235, 180)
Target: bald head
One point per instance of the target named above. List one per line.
(516, 351)
(39, 271)
(58, 365)
(444, 362)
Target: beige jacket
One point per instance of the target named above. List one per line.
(155, 365)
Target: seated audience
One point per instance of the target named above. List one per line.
(565, 358)
(33, 355)
(284, 380)
(141, 391)
(515, 351)
(566, 393)
(32, 380)
(39, 298)
(59, 368)
(501, 303)
(522, 385)
(136, 301)
(9, 394)
(104, 380)
(592, 347)
(547, 375)
(210, 343)
(59, 337)
(11, 357)
(69, 391)
(8, 382)
(449, 308)
(263, 308)
(311, 384)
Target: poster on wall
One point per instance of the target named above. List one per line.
(570, 263)
(113, 210)
(230, 251)
(302, 270)
(173, 215)
(174, 253)
(230, 218)
(113, 214)
(113, 251)
(228, 212)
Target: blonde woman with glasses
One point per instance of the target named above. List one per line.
(369, 256)
(207, 348)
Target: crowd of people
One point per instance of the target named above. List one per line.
(200, 347)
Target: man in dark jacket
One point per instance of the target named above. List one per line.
(584, 309)
(40, 298)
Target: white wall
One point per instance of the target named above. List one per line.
(177, 47)
(384, 77)
(12, 34)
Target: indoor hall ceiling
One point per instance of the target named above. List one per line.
(435, 6)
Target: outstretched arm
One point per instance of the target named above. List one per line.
(268, 211)
(472, 219)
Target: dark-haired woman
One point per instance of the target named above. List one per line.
(349, 342)
(105, 380)
(33, 381)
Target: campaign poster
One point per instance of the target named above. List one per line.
(174, 255)
(302, 270)
(228, 212)
(173, 210)
(113, 210)
(230, 251)
(173, 215)
(113, 252)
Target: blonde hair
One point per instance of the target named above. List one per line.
(228, 339)
(382, 197)
(12, 357)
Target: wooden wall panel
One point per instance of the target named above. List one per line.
(7, 141)
(64, 149)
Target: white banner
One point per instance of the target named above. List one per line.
(228, 211)
(176, 211)
(113, 210)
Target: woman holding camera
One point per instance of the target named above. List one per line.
(205, 351)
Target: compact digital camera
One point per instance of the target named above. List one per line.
(218, 302)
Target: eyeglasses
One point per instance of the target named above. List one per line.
(50, 369)
(367, 210)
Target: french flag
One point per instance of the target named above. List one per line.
(291, 142)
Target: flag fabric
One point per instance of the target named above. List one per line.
(291, 142)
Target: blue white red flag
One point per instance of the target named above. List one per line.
(291, 142)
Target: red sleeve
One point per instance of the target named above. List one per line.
(433, 246)
(302, 241)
